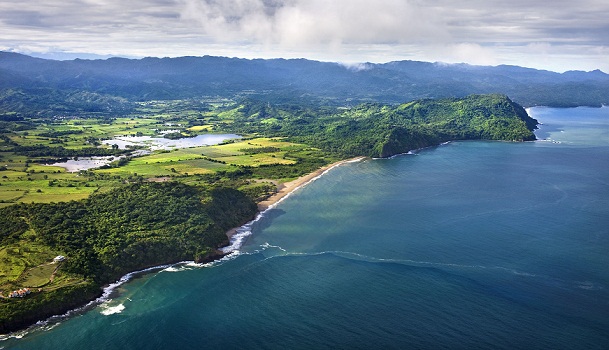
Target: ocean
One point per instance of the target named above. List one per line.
(468, 245)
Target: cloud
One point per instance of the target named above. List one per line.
(471, 53)
(521, 21)
(292, 23)
(525, 32)
(356, 67)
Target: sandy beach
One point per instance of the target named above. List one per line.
(286, 188)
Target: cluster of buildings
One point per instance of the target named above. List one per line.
(20, 293)
(23, 292)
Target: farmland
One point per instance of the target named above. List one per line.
(34, 179)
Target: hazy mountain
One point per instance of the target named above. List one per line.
(297, 79)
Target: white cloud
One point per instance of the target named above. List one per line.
(471, 53)
(356, 67)
(292, 23)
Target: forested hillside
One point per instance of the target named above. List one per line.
(377, 130)
(111, 234)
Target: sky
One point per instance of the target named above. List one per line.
(557, 35)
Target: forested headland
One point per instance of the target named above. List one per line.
(378, 130)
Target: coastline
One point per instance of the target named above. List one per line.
(284, 190)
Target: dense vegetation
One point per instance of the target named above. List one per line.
(110, 234)
(19, 314)
(132, 227)
(62, 152)
(52, 101)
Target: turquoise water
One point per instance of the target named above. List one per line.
(467, 245)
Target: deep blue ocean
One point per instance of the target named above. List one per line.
(468, 245)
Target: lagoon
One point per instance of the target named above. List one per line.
(160, 143)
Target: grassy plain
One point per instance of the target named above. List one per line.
(198, 128)
(38, 276)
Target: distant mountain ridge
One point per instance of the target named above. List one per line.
(296, 79)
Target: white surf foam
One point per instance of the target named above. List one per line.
(267, 245)
(183, 266)
(111, 310)
(107, 293)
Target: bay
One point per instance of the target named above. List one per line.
(489, 245)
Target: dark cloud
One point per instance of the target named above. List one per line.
(21, 18)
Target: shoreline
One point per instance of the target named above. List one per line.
(283, 191)
(286, 188)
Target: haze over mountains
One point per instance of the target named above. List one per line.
(111, 85)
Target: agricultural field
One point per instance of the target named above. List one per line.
(27, 264)
(27, 147)
(199, 128)
(208, 159)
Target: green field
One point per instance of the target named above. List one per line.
(25, 264)
(258, 159)
(62, 194)
(38, 276)
(198, 128)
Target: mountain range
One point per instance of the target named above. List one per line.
(110, 85)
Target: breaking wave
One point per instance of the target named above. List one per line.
(111, 310)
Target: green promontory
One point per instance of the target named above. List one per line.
(378, 130)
